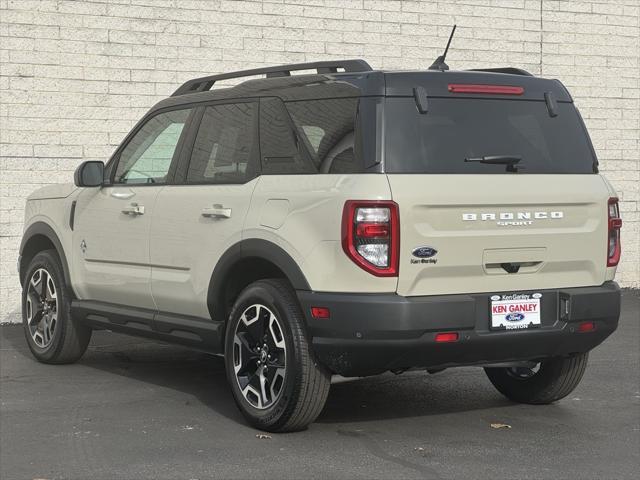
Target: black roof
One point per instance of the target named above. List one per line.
(350, 78)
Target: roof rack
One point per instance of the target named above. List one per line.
(205, 83)
(511, 70)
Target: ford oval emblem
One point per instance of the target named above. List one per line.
(424, 252)
(514, 317)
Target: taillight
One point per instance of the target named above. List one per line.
(371, 235)
(614, 248)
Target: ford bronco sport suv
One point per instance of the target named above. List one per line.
(343, 221)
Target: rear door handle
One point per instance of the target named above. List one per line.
(133, 209)
(216, 211)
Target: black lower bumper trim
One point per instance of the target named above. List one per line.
(368, 334)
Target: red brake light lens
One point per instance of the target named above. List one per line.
(446, 337)
(491, 89)
(371, 235)
(614, 224)
(320, 312)
(372, 230)
(585, 327)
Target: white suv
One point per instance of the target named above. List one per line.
(347, 221)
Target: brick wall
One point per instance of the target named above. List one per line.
(76, 75)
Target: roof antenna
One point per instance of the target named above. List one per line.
(439, 63)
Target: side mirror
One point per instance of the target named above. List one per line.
(89, 174)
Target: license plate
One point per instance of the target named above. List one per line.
(515, 311)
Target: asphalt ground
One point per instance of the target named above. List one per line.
(133, 409)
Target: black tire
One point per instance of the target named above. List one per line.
(555, 379)
(69, 339)
(304, 389)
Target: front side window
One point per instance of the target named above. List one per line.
(225, 149)
(147, 157)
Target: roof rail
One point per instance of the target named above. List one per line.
(511, 70)
(331, 66)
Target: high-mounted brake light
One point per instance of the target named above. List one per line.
(371, 235)
(614, 224)
(492, 89)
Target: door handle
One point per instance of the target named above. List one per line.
(217, 211)
(133, 209)
(123, 195)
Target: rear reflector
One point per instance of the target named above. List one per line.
(320, 312)
(491, 89)
(447, 337)
(586, 327)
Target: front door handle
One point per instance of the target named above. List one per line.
(217, 211)
(122, 195)
(133, 209)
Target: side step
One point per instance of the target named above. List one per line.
(203, 334)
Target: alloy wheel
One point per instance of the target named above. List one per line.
(523, 373)
(259, 356)
(42, 307)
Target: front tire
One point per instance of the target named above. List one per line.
(276, 381)
(554, 378)
(52, 334)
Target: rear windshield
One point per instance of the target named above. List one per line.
(455, 129)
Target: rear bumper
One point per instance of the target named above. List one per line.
(368, 334)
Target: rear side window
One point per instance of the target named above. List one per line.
(225, 148)
(328, 129)
(281, 147)
(454, 129)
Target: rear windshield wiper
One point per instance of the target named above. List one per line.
(510, 161)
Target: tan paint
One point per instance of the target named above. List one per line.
(571, 249)
(185, 246)
(171, 250)
(274, 212)
(311, 232)
(115, 264)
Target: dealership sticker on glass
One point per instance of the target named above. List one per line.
(515, 311)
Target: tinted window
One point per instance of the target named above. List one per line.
(225, 147)
(147, 157)
(328, 129)
(280, 144)
(455, 129)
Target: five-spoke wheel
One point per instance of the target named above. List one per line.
(259, 356)
(276, 382)
(540, 382)
(41, 307)
(52, 334)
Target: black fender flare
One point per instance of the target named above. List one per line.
(44, 229)
(251, 248)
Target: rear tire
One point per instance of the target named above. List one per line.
(555, 379)
(276, 381)
(52, 334)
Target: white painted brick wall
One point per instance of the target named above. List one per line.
(76, 75)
